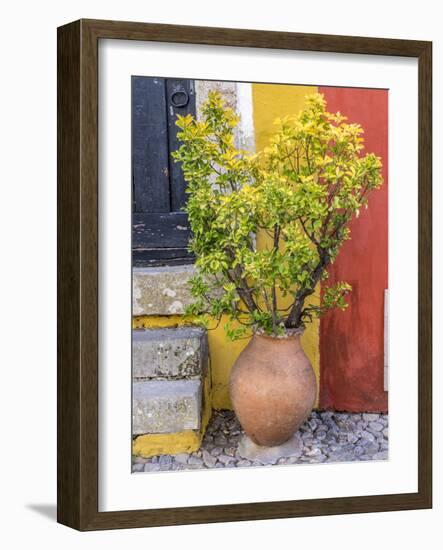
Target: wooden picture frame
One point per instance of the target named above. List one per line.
(78, 273)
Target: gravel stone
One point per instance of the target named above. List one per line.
(209, 460)
(340, 456)
(165, 460)
(370, 417)
(225, 459)
(317, 459)
(243, 462)
(313, 452)
(371, 448)
(216, 451)
(352, 438)
(152, 467)
(362, 425)
(375, 426)
(358, 450)
(181, 458)
(195, 461)
(327, 436)
(230, 451)
(367, 436)
(308, 441)
(220, 441)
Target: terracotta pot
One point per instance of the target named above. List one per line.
(273, 388)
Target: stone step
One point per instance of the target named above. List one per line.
(161, 290)
(166, 406)
(169, 353)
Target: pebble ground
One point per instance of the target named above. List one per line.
(327, 437)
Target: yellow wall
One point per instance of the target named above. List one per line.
(271, 101)
(223, 355)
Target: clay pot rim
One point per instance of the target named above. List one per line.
(290, 334)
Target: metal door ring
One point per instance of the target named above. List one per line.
(180, 98)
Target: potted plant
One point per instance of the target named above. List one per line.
(300, 193)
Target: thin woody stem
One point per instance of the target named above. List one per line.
(295, 315)
(274, 291)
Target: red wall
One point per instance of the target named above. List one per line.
(351, 342)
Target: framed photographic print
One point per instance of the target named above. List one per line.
(244, 274)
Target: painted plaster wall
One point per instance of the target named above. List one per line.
(271, 101)
(352, 342)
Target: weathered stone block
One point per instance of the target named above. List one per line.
(227, 89)
(237, 96)
(166, 406)
(169, 352)
(161, 290)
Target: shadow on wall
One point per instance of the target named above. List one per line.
(48, 511)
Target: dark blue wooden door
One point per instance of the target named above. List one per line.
(160, 231)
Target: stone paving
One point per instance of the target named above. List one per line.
(327, 437)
